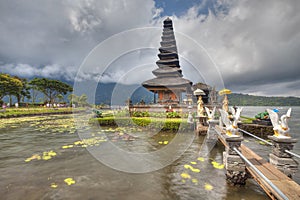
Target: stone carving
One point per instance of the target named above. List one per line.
(280, 127)
(231, 124)
(210, 113)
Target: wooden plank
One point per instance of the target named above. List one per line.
(263, 162)
(290, 188)
(286, 185)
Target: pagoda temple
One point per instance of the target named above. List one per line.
(168, 84)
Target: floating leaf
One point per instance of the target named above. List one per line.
(69, 181)
(262, 143)
(33, 157)
(53, 185)
(191, 168)
(195, 170)
(51, 153)
(217, 165)
(200, 159)
(208, 187)
(187, 166)
(78, 142)
(185, 175)
(46, 157)
(195, 181)
(67, 146)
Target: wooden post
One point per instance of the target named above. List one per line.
(281, 159)
(234, 165)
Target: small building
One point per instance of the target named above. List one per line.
(168, 84)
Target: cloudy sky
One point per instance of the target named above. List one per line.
(250, 46)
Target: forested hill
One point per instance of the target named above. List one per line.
(250, 100)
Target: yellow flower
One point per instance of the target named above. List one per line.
(194, 163)
(69, 181)
(166, 142)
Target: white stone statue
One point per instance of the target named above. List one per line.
(231, 126)
(281, 129)
(210, 113)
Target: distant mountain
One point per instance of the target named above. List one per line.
(106, 93)
(251, 100)
(117, 94)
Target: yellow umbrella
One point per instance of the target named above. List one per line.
(224, 91)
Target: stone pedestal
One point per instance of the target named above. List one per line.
(234, 165)
(211, 133)
(280, 159)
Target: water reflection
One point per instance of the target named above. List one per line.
(94, 180)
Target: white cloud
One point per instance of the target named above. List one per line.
(254, 44)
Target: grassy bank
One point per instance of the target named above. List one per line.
(163, 124)
(23, 112)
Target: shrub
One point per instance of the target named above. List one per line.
(155, 123)
(173, 115)
(140, 114)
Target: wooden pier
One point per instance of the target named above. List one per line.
(286, 185)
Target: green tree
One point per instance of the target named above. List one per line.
(9, 85)
(82, 101)
(60, 97)
(34, 92)
(51, 88)
(73, 99)
(24, 92)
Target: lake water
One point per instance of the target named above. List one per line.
(39, 153)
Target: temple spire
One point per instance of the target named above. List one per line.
(168, 83)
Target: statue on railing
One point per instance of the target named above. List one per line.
(280, 127)
(210, 113)
(200, 108)
(225, 103)
(231, 122)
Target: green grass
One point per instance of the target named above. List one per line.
(247, 120)
(172, 124)
(19, 112)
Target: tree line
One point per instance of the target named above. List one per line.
(250, 100)
(53, 90)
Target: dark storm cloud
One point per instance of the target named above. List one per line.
(254, 44)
